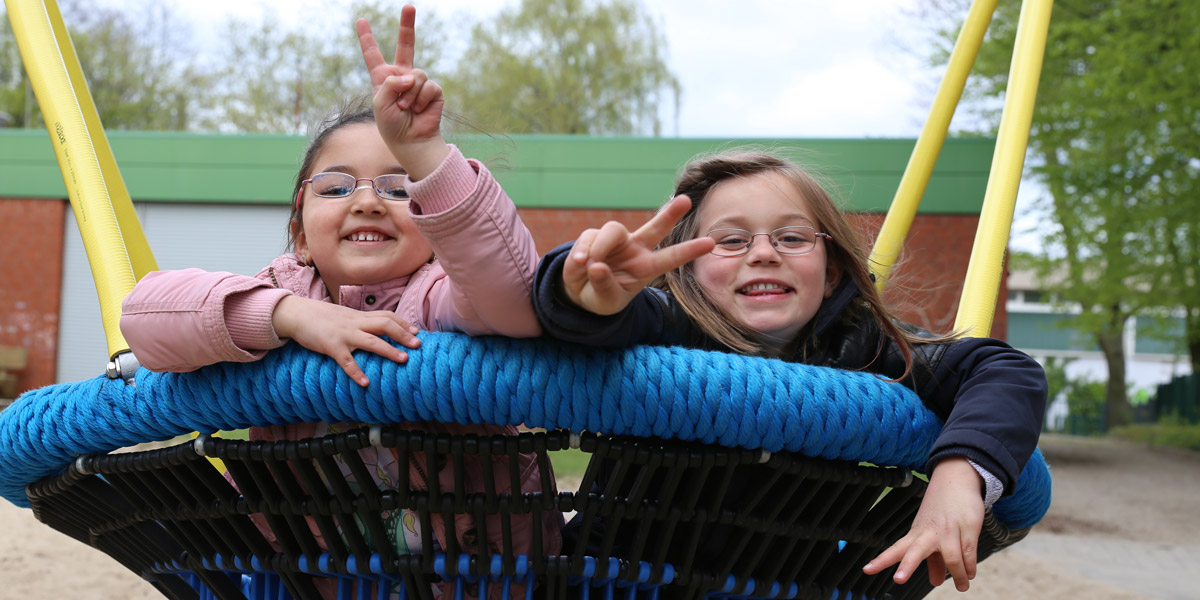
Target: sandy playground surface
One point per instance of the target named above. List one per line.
(1124, 525)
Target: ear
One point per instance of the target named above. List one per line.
(300, 246)
(833, 276)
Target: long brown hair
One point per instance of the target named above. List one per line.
(847, 252)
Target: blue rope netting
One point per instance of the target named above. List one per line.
(694, 395)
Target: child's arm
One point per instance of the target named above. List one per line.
(182, 320)
(945, 530)
(477, 236)
(993, 398)
(177, 321)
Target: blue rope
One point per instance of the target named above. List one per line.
(711, 397)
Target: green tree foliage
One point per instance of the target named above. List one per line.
(13, 92)
(130, 66)
(1114, 138)
(565, 66)
(278, 81)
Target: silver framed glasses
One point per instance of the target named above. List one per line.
(786, 240)
(333, 184)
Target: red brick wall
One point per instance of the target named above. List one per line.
(928, 279)
(31, 244)
(924, 288)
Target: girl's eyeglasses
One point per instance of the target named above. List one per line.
(389, 186)
(785, 240)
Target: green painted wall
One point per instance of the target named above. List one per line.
(1044, 331)
(537, 171)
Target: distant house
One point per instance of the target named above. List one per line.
(1153, 344)
(221, 202)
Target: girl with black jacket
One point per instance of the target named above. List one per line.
(753, 256)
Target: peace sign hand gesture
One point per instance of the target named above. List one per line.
(609, 266)
(408, 106)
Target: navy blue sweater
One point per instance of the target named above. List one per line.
(991, 396)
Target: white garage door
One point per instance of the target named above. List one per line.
(214, 237)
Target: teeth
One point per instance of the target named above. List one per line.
(761, 287)
(363, 236)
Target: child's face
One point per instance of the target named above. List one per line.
(773, 294)
(361, 239)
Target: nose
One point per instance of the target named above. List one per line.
(761, 252)
(366, 203)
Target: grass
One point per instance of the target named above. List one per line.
(1168, 435)
(569, 463)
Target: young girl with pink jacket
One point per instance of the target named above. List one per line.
(394, 231)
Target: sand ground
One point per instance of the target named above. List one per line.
(1124, 525)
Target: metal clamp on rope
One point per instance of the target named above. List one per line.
(123, 366)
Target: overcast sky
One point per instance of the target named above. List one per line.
(749, 68)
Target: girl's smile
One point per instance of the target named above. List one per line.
(765, 289)
(368, 236)
(359, 239)
(775, 295)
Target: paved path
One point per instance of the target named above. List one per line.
(1124, 524)
(1153, 570)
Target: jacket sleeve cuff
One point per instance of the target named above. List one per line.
(992, 488)
(248, 318)
(456, 178)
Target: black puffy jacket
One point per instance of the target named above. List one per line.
(991, 396)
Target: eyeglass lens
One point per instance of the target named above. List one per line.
(786, 240)
(389, 186)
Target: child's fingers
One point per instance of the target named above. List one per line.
(400, 331)
(663, 221)
(917, 552)
(611, 236)
(376, 345)
(887, 558)
(406, 43)
(606, 291)
(414, 80)
(673, 257)
(970, 552)
(428, 94)
(937, 569)
(582, 248)
(370, 50)
(352, 370)
(392, 90)
(952, 556)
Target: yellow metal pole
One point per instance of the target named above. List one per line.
(116, 246)
(920, 165)
(977, 306)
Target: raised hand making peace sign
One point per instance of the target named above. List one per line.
(408, 106)
(610, 265)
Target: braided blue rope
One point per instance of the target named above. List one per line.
(711, 397)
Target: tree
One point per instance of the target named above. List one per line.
(13, 92)
(134, 78)
(565, 66)
(1114, 138)
(277, 81)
